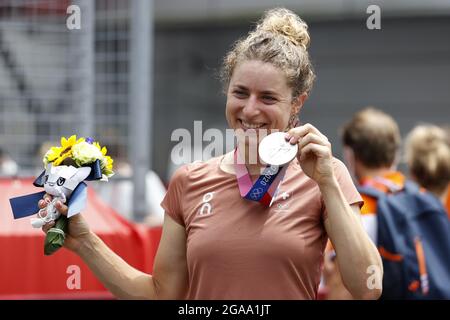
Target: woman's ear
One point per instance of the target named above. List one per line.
(298, 103)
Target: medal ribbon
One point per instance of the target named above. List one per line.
(264, 190)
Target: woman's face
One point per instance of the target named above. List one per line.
(259, 98)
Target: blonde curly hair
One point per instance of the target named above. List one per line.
(281, 37)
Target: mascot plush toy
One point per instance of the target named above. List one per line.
(67, 167)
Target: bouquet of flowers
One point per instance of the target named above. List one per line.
(67, 166)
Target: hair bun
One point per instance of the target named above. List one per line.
(286, 23)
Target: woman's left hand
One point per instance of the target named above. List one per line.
(314, 152)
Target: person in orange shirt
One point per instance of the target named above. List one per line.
(427, 151)
(371, 150)
(219, 244)
(371, 142)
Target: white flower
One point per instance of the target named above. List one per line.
(85, 153)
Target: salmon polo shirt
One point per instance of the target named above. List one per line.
(239, 249)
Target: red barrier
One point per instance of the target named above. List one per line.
(26, 273)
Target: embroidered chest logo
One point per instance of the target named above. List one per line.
(283, 201)
(206, 207)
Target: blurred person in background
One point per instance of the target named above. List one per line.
(371, 141)
(427, 152)
(371, 146)
(447, 132)
(8, 167)
(119, 192)
(411, 232)
(217, 245)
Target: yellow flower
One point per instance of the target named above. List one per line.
(52, 154)
(67, 144)
(106, 162)
(82, 152)
(107, 166)
(65, 151)
(62, 157)
(103, 150)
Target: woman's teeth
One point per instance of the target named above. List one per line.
(251, 125)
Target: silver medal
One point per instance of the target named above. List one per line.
(276, 151)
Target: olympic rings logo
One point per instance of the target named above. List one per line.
(256, 194)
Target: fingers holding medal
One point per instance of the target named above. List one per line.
(314, 151)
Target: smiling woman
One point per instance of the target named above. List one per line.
(227, 234)
(258, 97)
(267, 78)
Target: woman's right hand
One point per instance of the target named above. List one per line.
(78, 229)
